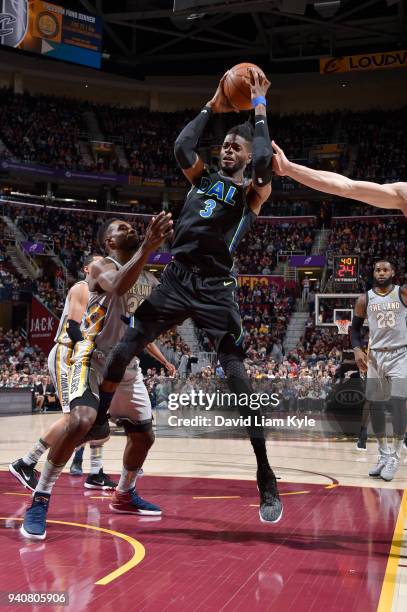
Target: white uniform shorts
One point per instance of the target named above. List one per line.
(386, 375)
(131, 403)
(58, 366)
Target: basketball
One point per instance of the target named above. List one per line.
(236, 89)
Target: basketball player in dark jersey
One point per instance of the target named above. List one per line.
(219, 209)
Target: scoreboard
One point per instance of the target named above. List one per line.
(52, 30)
(346, 269)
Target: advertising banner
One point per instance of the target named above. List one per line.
(367, 61)
(42, 326)
(307, 261)
(266, 280)
(51, 30)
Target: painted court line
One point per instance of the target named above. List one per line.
(138, 549)
(389, 582)
(219, 497)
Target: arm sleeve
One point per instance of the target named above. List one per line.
(262, 151)
(186, 143)
(73, 329)
(356, 332)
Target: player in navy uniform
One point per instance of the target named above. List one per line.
(219, 209)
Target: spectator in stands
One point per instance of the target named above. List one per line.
(305, 289)
(39, 393)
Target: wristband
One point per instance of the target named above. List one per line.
(259, 100)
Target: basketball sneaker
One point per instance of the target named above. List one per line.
(390, 469)
(76, 468)
(34, 525)
(405, 442)
(131, 503)
(26, 474)
(381, 462)
(100, 481)
(271, 508)
(361, 445)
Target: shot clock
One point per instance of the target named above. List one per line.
(346, 269)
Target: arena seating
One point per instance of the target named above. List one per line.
(42, 129)
(371, 240)
(20, 363)
(258, 250)
(147, 141)
(147, 138)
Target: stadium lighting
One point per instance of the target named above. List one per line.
(327, 8)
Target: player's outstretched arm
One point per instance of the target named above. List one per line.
(78, 301)
(262, 151)
(356, 333)
(393, 195)
(105, 277)
(185, 146)
(155, 352)
(403, 294)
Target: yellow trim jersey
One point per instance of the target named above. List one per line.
(61, 336)
(103, 325)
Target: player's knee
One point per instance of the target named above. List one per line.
(231, 357)
(232, 365)
(81, 420)
(149, 438)
(143, 439)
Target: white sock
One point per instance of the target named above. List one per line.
(383, 446)
(35, 453)
(49, 476)
(398, 445)
(96, 459)
(127, 480)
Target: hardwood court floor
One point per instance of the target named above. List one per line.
(339, 545)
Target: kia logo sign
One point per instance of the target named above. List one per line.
(307, 260)
(349, 396)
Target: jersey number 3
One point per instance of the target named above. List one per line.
(208, 210)
(386, 319)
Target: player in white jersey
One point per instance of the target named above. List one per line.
(68, 333)
(390, 195)
(385, 364)
(113, 295)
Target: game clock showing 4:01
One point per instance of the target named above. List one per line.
(346, 268)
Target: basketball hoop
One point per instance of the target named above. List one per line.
(343, 326)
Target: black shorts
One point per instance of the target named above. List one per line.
(182, 294)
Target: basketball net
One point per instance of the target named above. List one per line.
(343, 326)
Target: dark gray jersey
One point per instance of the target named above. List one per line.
(103, 325)
(387, 319)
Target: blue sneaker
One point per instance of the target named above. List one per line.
(34, 523)
(271, 508)
(76, 468)
(131, 503)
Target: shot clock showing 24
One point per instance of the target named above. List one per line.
(346, 268)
